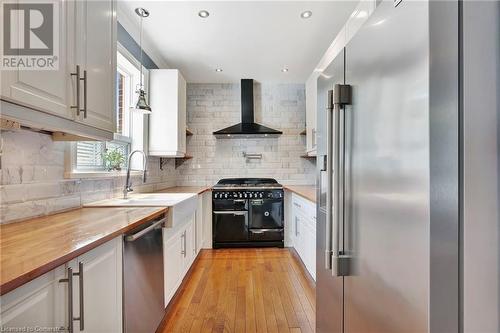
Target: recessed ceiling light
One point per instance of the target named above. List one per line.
(284, 70)
(203, 14)
(307, 14)
(218, 70)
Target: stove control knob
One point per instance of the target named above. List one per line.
(261, 195)
(215, 195)
(241, 195)
(225, 195)
(250, 195)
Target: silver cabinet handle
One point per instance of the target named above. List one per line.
(313, 132)
(77, 106)
(296, 226)
(131, 238)
(239, 200)
(185, 244)
(80, 285)
(69, 280)
(183, 240)
(84, 93)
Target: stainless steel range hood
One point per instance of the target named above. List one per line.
(248, 127)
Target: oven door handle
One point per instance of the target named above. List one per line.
(229, 212)
(239, 200)
(261, 231)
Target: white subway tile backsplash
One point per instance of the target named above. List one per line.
(214, 106)
(32, 178)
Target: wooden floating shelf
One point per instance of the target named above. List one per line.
(304, 132)
(180, 160)
(189, 132)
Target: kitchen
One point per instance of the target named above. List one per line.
(176, 170)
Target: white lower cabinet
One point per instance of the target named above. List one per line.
(172, 266)
(39, 303)
(302, 231)
(101, 293)
(179, 252)
(43, 302)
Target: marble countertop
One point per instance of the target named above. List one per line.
(31, 248)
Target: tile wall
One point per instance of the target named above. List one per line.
(211, 107)
(32, 165)
(33, 184)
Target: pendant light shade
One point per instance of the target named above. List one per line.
(142, 104)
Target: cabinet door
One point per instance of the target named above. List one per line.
(172, 255)
(297, 236)
(190, 248)
(39, 303)
(182, 100)
(311, 105)
(96, 53)
(50, 91)
(309, 259)
(102, 288)
(199, 225)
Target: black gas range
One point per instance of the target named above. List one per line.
(247, 212)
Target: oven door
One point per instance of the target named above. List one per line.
(266, 214)
(230, 226)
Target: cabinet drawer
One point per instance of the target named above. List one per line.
(304, 207)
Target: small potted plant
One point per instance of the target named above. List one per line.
(113, 159)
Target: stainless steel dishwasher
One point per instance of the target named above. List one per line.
(143, 297)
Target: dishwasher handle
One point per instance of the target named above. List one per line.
(133, 237)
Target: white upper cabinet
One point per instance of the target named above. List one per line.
(167, 122)
(82, 100)
(311, 111)
(50, 91)
(96, 55)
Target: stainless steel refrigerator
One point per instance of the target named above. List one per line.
(388, 175)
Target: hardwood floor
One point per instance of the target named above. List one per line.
(244, 290)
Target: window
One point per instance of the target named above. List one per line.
(92, 156)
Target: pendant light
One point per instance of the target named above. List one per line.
(142, 104)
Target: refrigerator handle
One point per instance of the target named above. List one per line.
(329, 172)
(340, 261)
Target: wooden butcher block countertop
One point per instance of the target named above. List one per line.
(33, 247)
(305, 191)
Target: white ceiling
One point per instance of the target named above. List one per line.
(246, 39)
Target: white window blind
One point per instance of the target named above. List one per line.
(89, 155)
